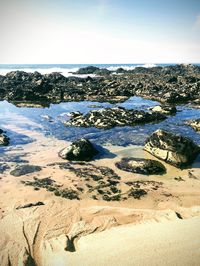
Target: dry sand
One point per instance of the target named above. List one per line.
(162, 228)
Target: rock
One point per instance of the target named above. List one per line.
(141, 166)
(25, 169)
(169, 84)
(4, 140)
(164, 109)
(195, 124)
(39, 203)
(79, 150)
(87, 70)
(112, 117)
(137, 193)
(172, 148)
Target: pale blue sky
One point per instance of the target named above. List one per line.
(99, 31)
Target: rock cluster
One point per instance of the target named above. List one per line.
(170, 84)
(172, 148)
(79, 150)
(141, 166)
(112, 117)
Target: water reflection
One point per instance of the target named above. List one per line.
(48, 120)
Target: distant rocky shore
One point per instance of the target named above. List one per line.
(169, 84)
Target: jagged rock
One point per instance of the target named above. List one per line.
(79, 150)
(4, 140)
(25, 169)
(164, 109)
(141, 166)
(195, 124)
(111, 117)
(172, 148)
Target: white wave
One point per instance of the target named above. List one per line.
(130, 67)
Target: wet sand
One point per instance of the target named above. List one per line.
(160, 228)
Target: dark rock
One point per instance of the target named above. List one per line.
(172, 148)
(112, 117)
(79, 150)
(120, 70)
(137, 193)
(25, 169)
(141, 166)
(87, 70)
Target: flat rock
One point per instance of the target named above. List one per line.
(80, 150)
(141, 166)
(25, 169)
(111, 117)
(172, 148)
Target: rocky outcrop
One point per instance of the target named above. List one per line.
(164, 109)
(195, 124)
(169, 84)
(112, 117)
(79, 150)
(172, 148)
(141, 166)
(4, 140)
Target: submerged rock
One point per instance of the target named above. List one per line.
(141, 166)
(4, 140)
(79, 150)
(195, 124)
(164, 109)
(25, 169)
(112, 117)
(3, 167)
(172, 148)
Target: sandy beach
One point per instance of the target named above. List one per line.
(162, 228)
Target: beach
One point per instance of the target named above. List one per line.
(163, 224)
(122, 202)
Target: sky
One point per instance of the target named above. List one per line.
(99, 31)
